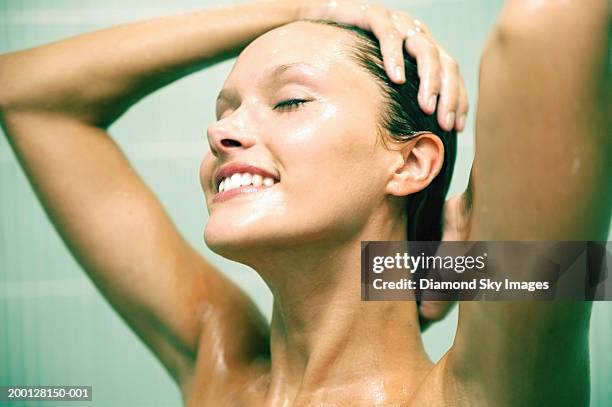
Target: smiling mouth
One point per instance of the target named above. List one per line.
(244, 179)
(242, 183)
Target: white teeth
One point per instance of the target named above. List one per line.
(246, 179)
(257, 180)
(240, 180)
(236, 181)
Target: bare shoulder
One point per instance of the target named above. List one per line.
(223, 379)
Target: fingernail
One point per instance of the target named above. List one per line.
(399, 73)
(461, 122)
(432, 102)
(450, 120)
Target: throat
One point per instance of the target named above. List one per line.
(324, 340)
(369, 348)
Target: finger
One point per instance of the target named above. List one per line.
(406, 23)
(423, 28)
(427, 57)
(432, 311)
(464, 107)
(391, 42)
(450, 93)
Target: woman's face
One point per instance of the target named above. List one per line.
(297, 109)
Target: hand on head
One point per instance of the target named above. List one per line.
(441, 82)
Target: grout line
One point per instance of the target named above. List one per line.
(142, 150)
(70, 287)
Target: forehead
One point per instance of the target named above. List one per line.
(322, 47)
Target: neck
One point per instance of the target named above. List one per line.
(325, 339)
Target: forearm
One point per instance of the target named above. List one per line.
(97, 76)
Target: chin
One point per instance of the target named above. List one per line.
(224, 242)
(237, 243)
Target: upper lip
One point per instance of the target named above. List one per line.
(228, 169)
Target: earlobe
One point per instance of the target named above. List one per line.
(421, 160)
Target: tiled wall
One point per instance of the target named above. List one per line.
(54, 326)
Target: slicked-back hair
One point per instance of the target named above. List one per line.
(401, 119)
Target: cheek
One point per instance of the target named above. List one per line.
(329, 145)
(325, 137)
(332, 168)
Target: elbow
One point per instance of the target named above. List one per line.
(24, 84)
(6, 83)
(11, 97)
(27, 86)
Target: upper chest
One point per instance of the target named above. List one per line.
(251, 387)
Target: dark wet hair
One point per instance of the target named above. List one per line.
(402, 119)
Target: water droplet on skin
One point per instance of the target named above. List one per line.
(575, 166)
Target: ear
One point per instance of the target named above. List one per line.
(417, 164)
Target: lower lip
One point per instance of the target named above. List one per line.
(249, 189)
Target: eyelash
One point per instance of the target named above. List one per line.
(289, 104)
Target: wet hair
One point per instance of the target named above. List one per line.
(402, 119)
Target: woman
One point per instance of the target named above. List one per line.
(296, 100)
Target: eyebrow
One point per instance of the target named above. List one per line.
(281, 69)
(231, 95)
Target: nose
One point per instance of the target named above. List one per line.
(228, 135)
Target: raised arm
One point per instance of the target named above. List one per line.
(95, 77)
(541, 172)
(56, 101)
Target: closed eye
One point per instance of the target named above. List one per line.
(290, 104)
